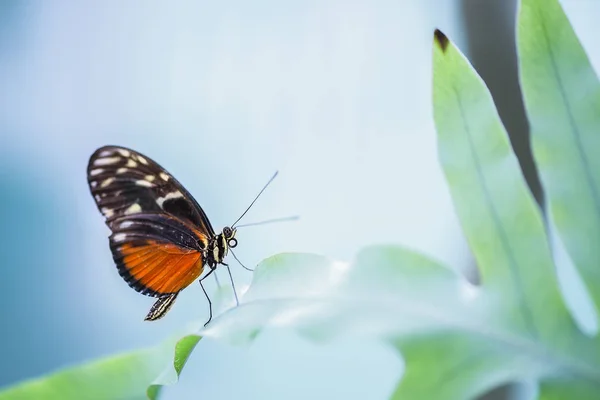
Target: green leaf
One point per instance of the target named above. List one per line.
(454, 343)
(499, 216)
(135, 375)
(466, 365)
(437, 319)
(567, 388)
(123, 376)
(170, 375)
(505, 231)
(562, 99)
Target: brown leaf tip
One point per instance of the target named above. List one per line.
(441, 39)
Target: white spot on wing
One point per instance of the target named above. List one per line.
(164, 177)
(172, 195)
(107, 212)
(144, 183)
(124, 153)
(131, 163)
(142, 160)
(126, 224)
(122, 170)
(119, 237)
(105, 153)
(107, 182)
(97, 171)
(93, 184)
(149, 178)
(106, 160)
(133, 209)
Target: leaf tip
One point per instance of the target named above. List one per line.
(441, 40)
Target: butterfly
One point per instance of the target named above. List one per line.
(161, 239)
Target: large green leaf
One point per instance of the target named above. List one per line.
(447, 330)
(135, 375)
(562, 98)
(457, 340)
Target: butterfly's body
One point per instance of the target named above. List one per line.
(218, 247)
(161, 238)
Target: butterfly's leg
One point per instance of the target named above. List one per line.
(237, 302)
(206, 294)
(238, 260)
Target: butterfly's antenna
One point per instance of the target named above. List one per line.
(270, 221)
(237, 302)
(256, 198)
(238, 260)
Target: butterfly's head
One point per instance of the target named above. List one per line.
(220, 245)
(229, 236)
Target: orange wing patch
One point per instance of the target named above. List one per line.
(156, 268)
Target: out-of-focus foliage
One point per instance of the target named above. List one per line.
(124, 376)
(457, 340)
(562, 98)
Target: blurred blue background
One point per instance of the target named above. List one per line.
(334, 94)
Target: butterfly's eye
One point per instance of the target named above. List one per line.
(232, 243)
(227, 231)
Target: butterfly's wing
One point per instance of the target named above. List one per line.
(156, 254)
(125, 182)
(159, 232)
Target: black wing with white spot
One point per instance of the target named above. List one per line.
(124, 182)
